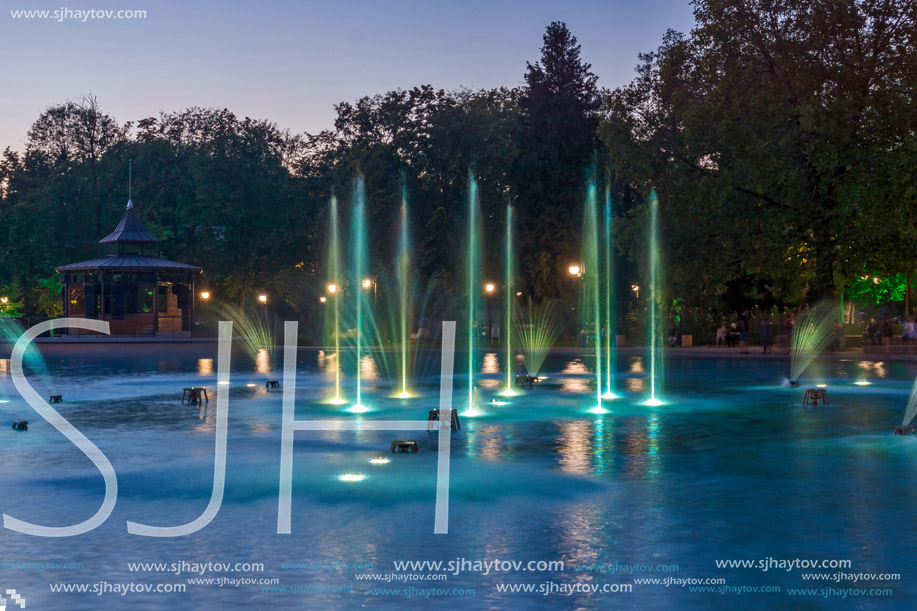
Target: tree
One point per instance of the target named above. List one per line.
(558, 142)
(762, 130)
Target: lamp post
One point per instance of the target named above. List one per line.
(371, 283)
(263, 299)
(489, 289)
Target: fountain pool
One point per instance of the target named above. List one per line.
(716, 473)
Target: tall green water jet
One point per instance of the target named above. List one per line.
(510, 288)
(655, 295)
(811, 335)
(610, 298)
(592, 285)
(334, 290)
(473, 273)
(405, 286)
(536, 331)
(359, 267)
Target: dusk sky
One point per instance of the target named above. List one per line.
(291, 61)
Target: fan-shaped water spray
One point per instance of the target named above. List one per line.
(536, 331)
(811, 335)
(911, 410)
(252, 327)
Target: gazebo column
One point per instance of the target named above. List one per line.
(191, 305)
(102, 296)
(156, 303)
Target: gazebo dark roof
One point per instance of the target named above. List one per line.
(128, 263)
(130, 230)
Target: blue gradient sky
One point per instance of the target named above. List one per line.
(289, 61)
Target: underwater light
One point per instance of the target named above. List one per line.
(862, 383)
(337, 401)
(351, 477)
(4, 401)
(223, 382)
(495, 402)
(610, 395)
(598, 409)
(404, 395)
(821, 386)
(472, 412)
(654, 402)
(358, 409)
(509, 392)
(251, 384)
(380, 460)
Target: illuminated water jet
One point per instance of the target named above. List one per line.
(655, 295)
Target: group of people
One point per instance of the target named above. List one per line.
(738, 334)
(881, 333)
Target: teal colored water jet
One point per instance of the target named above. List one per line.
(591, 309)
(610, 298)
(334, 288)
(359, 267)
(473, 279)
(508, 309)
(655, 295)
(405, 286)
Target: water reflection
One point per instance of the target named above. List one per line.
(636, 385)
(574, 447)
(263, 361)
(636, 365)
(492, 443)
(205, 367)
(491, 365)
(575, 367)
(368, 369)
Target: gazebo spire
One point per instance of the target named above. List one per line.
(130, 183)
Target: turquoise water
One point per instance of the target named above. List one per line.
(733, 467)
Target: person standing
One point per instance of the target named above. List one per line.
(765, 334)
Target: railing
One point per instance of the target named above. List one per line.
(128, 327)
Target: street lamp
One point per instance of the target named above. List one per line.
(489, 287)
(4, 300)
(205, 294)
(367, 282)
(323, 299)
(576, 270)
(262, 299)
(636, 289)
(332, 288)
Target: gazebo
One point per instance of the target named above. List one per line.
(130, 286)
